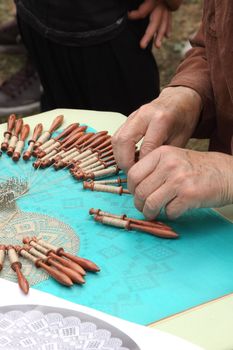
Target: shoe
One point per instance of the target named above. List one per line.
(10, 40)
(21, 93)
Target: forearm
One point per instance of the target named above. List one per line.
(194, 73)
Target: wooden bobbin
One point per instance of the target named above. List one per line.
(94, 167)
(117, 181)
(99, 212)
(106, 145)
(73, 275)
(16, 266)
(97, 166)
(36, 134)
(127, 224)
(57, 275)
(60, 143)
(100, 137)
(104, 188)
(57, 122)
(20, 144)
(67, 131)
(33, 242)
(112, 221)
(85, 263)
(7, 134)
(102, 173)
(14, 138)
(60, 164)
(156, 224)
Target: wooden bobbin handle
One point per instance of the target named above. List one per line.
(20, 144)
(36, 133)
(60, 251)
(76, 133)
(57, 275)
(7, 134)
(83, 139)
(74, 275)
(94, 137)
(67, 131)
(155, 231)
(57, 122)
(16, 266)
(85, 263)
(33, 242)
(106, 144)
(18, 126)
(95, 142)
(10, 124)
(72, 140)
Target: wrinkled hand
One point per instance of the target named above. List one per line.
(160, 19)
(179, 179)
(170, 119)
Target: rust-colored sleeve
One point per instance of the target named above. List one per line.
(193, 72)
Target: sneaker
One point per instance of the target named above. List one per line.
(10, 40)
(21, 93)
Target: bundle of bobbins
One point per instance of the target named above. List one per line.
(155, 228)
(17, 132)
(64, 267)
(88, 155)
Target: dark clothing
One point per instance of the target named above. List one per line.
(75, 22)
(87, 54)
(208, 69)
(116, 75)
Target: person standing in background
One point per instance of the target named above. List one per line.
(90, 55)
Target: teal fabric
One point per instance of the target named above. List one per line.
(142, 278)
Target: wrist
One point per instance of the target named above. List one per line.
(188, 102)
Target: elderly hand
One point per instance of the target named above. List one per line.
(179, 179)
(160, 21)
(170, 119)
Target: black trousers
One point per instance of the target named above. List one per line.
(113, 76)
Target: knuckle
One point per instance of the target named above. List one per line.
(172, 212)
(132, 178)
(122, 138)
(180, 178)
(187, 193)
(150, 205)
(140, 193)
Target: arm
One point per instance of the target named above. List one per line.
(194, 73)
(160, 18)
